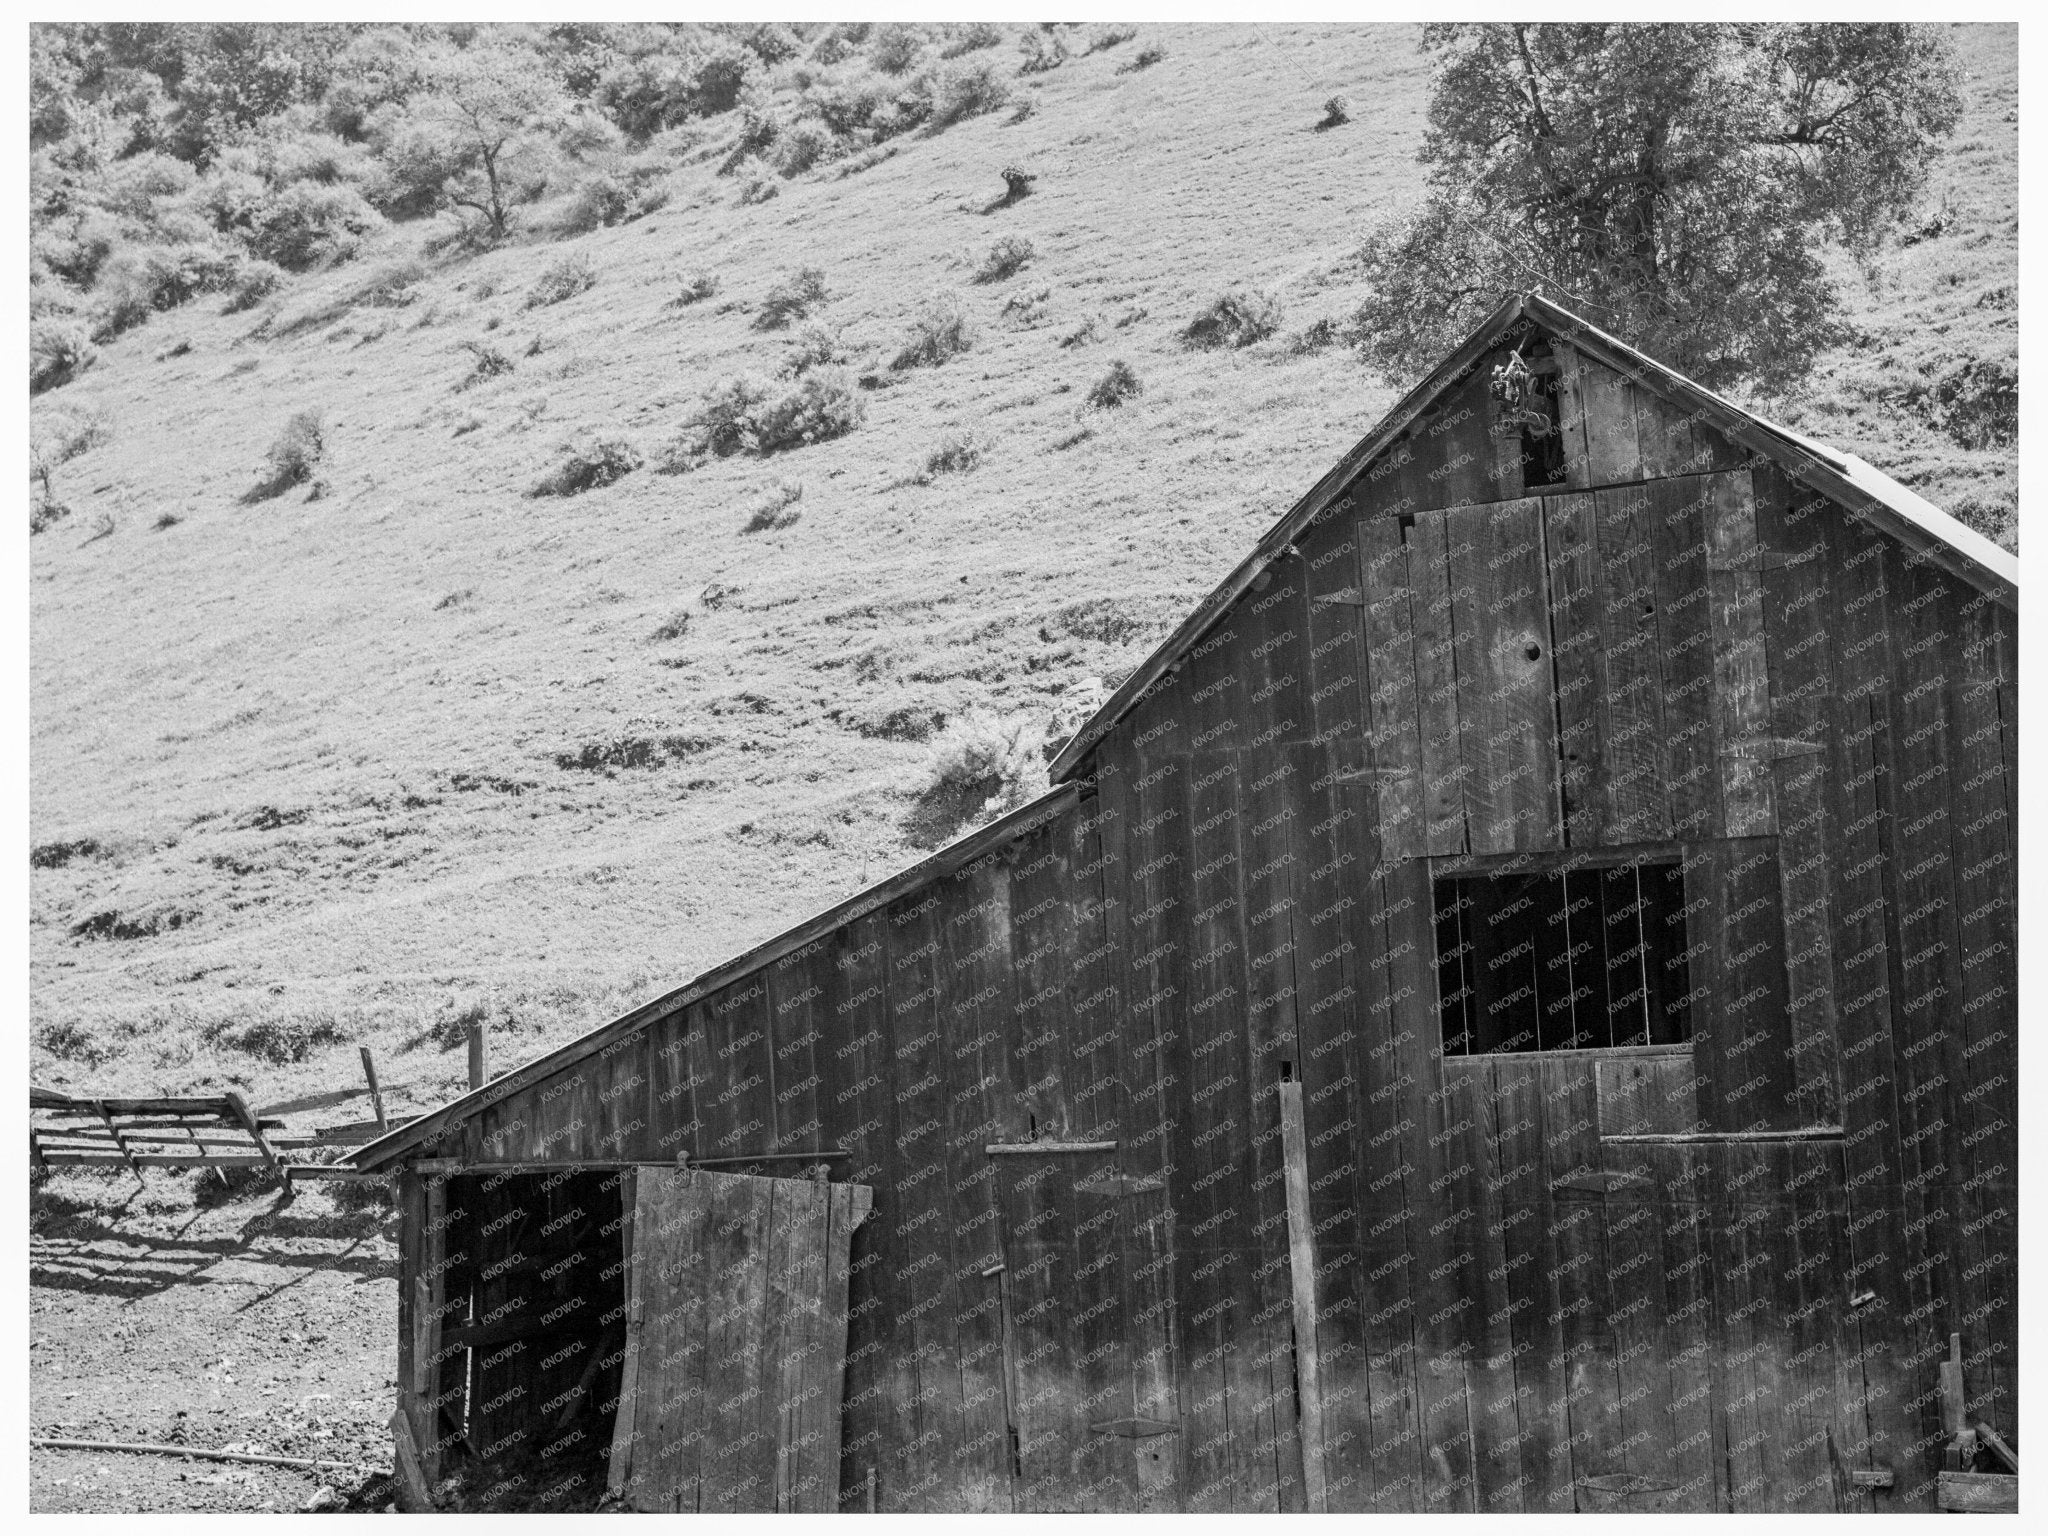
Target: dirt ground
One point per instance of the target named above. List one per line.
(241, 1320)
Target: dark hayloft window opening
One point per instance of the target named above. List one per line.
(1543, 451)
(1562, 960)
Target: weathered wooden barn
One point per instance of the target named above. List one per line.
(1511, 1007)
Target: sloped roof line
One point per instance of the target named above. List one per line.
(1961, 550)
(949, 860)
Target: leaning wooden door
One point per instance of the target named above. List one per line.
(1089, 1429)
(736, 1342)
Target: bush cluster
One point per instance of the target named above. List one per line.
(941, 329)
(1006, 258)
(1235, 319)
(589, 460)
(296, 452)
(563, 278)
(792, 299)
(743, 414)
(1115, 386)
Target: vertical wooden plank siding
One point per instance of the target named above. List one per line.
(1394, 716)
(1572, 412)
(1741, 689)
(1638, 766)
(1572, 547)
(1795, 550)
(1301, 1268)
(1506, 712)
(1446, 770)
(1613, 451)
(1677, 517)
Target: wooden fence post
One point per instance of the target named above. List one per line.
(376, 1093)
(479, 1070)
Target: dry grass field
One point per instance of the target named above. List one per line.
(346, 764)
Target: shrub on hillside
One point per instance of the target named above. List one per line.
(1043, 49)
(257, 281)
(725, 414)
(1235, 319)
(279, 1039)
(979, 766)
(970, 36)
(941, 329)
(60, 435)
(1110, 37)
(957, 453)
(792, 299)
(590, 460)
(1146, 58)
(1977, 402)
(44, 509)
(1336, 113)
(1006, 258)
(296, 452)
(138, 283)
(742, 414)
(802, 146)
(895, 46)
(968, 90)
(58, 352)
(816, 346)
(308, 224)
(697, 287)
(823, 405)
(627, 190)
(563, 278)
(1027, 309)
(776, 510)
(1115, 386)
(488, 361)
(1314, 337)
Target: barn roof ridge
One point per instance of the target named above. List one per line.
(942, 863)
(1860, 486)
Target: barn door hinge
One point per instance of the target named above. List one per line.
(1133, 1428)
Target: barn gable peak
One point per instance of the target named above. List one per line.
(1857, 486)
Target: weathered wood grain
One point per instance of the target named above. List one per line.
(1506, 711)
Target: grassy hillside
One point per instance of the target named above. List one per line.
(347, 764)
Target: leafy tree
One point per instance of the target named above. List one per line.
(492, 96)
(1674, 183)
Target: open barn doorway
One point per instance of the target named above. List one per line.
(663, 1338)
(735, 1353)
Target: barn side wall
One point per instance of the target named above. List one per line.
(1513, 1313)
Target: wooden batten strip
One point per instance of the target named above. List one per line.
(948, 860)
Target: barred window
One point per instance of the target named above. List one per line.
(1580, 958)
